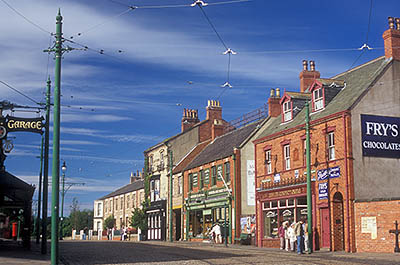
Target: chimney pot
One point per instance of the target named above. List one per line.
(312, 66)
(278, 93)
(305, 65)
(272, 93)
(391, 22)
(397, 23)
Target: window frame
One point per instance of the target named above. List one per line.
(286, 156)
(287, 107)
(268, 161)
(227, 169)
(331, 146)
(213, 175)
(318, 99)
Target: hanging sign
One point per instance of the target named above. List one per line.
(323, 190)
(380, 136)
(15, 124)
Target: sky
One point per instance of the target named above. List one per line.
(145, 65)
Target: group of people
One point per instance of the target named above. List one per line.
(295, 234)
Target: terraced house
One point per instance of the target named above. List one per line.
(355, 152)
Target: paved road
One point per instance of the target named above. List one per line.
(106, 252)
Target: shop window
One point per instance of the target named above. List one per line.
(331, 146)
(286, 155)
(290, 202)
(227, 172)
(286, 215)
(274, 204)
(282, 203)
(213, 176)
(268, 162)
(266, 205)
(271, 223)
(301, 201)
(318, 99)
(301, 213)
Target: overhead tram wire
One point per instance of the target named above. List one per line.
(102, 23)
(176, 6)
(19, 92)
(26, 19)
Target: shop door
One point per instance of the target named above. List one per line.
(325, 230)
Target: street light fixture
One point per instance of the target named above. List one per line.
(63, 169)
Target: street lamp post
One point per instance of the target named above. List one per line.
(64, 169)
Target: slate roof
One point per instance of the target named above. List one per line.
(189, 157)
(299, 95)
(357, 82)
(137, 185)
(223, 146)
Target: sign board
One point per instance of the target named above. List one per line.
(332, 172)
(277, 177)
(296, 173)
(15, 124)
(368, 225)
(323, 190)
(380, 136)
(251, 174)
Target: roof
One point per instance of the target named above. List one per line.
(357, 81)
(190, 156)
(137, 185)
(15, 188)
(223, 146)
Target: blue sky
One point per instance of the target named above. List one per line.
(124, 102)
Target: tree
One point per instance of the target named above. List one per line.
(109, 222)
(139, 219)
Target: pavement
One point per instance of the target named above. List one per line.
(137, 253)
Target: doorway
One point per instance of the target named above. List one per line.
(338, 222)
(325, 229)
(177, 224)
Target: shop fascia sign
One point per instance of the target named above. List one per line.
(16, 124)
(380, 136)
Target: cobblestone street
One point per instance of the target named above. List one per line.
(104, 252)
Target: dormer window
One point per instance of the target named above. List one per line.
(287, 111)
(318, 99)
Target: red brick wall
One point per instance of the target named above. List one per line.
(318, 162)
(386, 212)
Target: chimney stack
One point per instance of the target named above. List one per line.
(189, 119)
(274, 107)
(391, 38)
(214, 110)
(217, 129)
(307, 77)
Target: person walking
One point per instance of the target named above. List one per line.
(217, 232)
(292, 236)
(305, 228)
(298, 229)
(281, 234)
(287, 236)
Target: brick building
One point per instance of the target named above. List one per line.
(353, 208)
(119, 203)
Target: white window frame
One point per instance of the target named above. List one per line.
(331, 146)
(180, 185)
(286, 155)
(287, 111)
(318, 99)
(268, 161)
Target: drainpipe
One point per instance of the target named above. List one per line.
(255, 196)
(347, 182)
(235, 201)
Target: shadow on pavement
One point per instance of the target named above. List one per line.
(106, 252)
(11, 249)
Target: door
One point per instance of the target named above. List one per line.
(325, 229)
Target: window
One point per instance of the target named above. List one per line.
(318, 99)
(122, 203)
(286, 154)
(287, 111)
(150, 162)
(331, 146)
(195, 180)
(190, 181)
(99, 209)
(116, 204)
(180, 185)
(213, 176)
(219, 172)
(207, 176)
(227, 171)
(154, 190)
(304, 152)
(106, 206)
(268, 162)
(201, 173)
(127, 201)
(162, 160)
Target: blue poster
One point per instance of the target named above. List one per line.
(380, 136)
(323, 190)
(332, 172)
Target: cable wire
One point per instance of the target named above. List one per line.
(102, 23)
(369, 22)
(25, 18)
(19, 92)
(212, 26)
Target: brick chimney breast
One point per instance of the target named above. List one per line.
(306, 76)
(189, 119)
(391, 38)
(274, 107)
(214, 110)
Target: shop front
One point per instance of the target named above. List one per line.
(276, 205)
(206, 208)
(156, 220)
